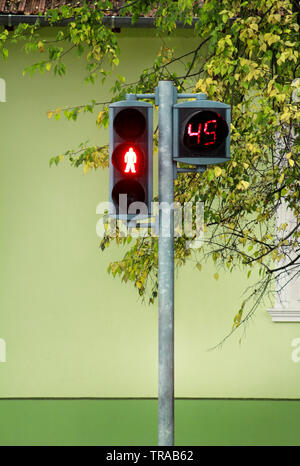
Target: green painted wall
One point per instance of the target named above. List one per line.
(134, 422)
(71, 330)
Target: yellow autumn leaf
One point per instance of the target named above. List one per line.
(281, 178)
(291, 162)
(271, 38)
(263, 47)
(237, 319)
(216, 276)
(49, 114)
(114, 267)
(217, 171)
(209, 81)
(86, 168)
(243, 185)
(200, 86)
(100, 117)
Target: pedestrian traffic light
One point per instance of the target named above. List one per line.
(130, 158)
(201, 133)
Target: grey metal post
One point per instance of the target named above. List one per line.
(166, 93)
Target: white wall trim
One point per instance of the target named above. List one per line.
(2, 350)
(284, 315)
(2, 90)
(287, 294)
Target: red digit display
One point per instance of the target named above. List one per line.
(210, 123)
(190, 133)
(205, 131)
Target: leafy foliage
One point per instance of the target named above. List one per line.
(251, 61)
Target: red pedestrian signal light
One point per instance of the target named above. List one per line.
(130, 162)
(128, 159)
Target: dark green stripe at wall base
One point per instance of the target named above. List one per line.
(134, 422)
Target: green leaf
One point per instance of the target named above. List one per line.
(4, 53)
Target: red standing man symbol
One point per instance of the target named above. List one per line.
(130, 160)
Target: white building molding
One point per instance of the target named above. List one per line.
(2, 350)
(285, 315)
(2, 90)
(287, 289)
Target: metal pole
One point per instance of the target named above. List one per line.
(166, 93)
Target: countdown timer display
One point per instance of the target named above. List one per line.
(205, 131)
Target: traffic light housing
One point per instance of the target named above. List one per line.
(130, 158)
(201, 133)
